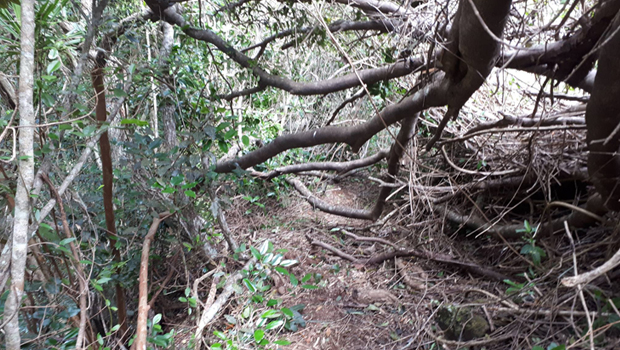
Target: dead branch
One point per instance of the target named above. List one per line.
(569, 116)
(589, 276)
(208, 315)
(143, 306)
(442, 258)
(577, 218)
(368, 239)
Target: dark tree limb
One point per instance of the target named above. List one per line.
(603, 120)
(246, 92)
(354, 136)
(367, 76)
(570, 60)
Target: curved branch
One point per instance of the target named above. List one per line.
(368, 76)
(383, 26)
(355, 136)
(573, 56)
(396, 152)
(245, 92)
(320, 204)
(340, 167)
(361, 93)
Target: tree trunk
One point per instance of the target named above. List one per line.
(25, 178)
(603, 121)
(168, 108)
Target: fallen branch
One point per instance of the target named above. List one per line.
(589, 276)
(577, 218)
(442, 258)
(368, 239)
(143, 306)
(320, 204)
(571, 115)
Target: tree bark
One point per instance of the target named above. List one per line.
(108, 188)
(25, 178)
(603, 122)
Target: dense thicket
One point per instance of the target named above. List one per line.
(150, 119)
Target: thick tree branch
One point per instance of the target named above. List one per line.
(368, 76)
(396, 152)
(431, 96)
(570, 60)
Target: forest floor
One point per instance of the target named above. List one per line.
(397, 304)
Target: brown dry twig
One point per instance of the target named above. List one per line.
(442, 258)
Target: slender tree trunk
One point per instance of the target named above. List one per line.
(168, 108)
(25, 178)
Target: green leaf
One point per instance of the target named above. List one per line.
(67, 241)
(245, 140)
(255, 253)
(266, 247)
(259, 334)
(251, 287)
(176, 180)
(270, 314)
(120, 93)
(288, 262)
(293, 280)
(282, 342)
(136, 122)
(53, 66)
(309, 286)
(190, 193)
(220, 335)
(287, 312)
(156, 319)
(274, 324)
